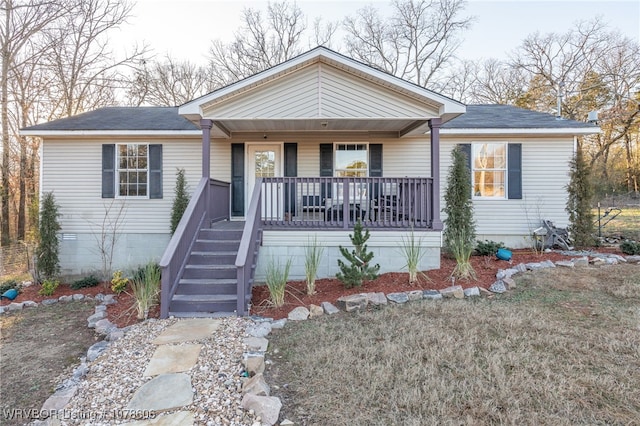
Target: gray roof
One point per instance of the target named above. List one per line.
(121, 118)
(167, 118)
(510, 117)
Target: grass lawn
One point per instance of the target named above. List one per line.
(563, 348)
(627, 223)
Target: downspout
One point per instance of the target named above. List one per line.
(434, 126)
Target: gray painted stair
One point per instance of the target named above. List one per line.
(208, 286)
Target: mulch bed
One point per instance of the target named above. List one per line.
(327, 289)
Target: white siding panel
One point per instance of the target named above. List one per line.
(72, 169)
(544, 178)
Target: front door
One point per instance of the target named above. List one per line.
(265, 160)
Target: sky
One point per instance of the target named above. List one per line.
(184, 29)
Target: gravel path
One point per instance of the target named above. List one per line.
(114, 377)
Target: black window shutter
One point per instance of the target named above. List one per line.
(237, 179)
(326, 167)
(290, 170)
(375, 160)
(108, 170)
(466, 150)
(514, 173)
(155, 171)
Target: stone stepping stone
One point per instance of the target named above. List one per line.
(181, 418)
(188, 330)
(165, 392)
(172, 359)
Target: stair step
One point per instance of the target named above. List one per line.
(227, 286)
(216, 245)
(204, 298)
(204, 304)
(213, 257)
(202, 314)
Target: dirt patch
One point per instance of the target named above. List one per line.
(551, 351)
(330, 289)
(39, 347)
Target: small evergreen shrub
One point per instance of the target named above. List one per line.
(487, 247)
(118, 282)
(630, 247)
(90, 281)
(9, 284)
(48, 287)
(181, 200)
(359, 267)
(47, 251)
(579, 200)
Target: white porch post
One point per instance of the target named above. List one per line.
(434, 125)
(205, 125)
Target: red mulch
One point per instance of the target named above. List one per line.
(327, 289)
(330, 289)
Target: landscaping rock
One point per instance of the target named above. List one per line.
(80, 371)
(109, 299)
(633, 259)
(78, 297)
(472, 292)
(415, 295)
(29, 304)
(2, 310)
(104, 326)
(49, 302)
(565, 263)
(547, 264)
(298, 314)
(256, 385)
(172, 359)
(431, 295)
(329, 308)
(65, 298)
(267, 407)
(165, 392)
(581, 261)
(60, 399)
(279, 323)
(376, 299)
(485, 292)
(533, 266)
(611, 261)
(261, 329)
(315, 311)
(259, 318)
(100, 308)
(510, 283)
(115, 335)
(100, 297)
(253, 362)
(453, 291)
(287, 422)
(259, 344)
(597, 261)
(498, 287)
(352, 303)
(521, 267)
(96, 350)
(398, 298)
(93, 319)
(15, 306)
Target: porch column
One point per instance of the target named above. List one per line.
(434, 125)
(205, 125)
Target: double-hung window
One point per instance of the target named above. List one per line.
(489, 170)
(133, 170)
(351, 160)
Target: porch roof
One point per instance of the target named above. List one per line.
(321, 90)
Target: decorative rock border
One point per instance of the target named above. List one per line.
(255, 388)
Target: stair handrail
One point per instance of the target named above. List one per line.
(252, 227)
(175, 255)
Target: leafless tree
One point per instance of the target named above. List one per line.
(168, 83)
(261, 42)
(414, 43)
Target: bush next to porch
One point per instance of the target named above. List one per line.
(359, 267)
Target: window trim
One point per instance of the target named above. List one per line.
(505, 170)
(118, 170)
(335, 151)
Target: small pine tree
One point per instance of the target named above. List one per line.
(181, 200)
(47, 251)
(460, 229)
(579, 199)
(359, 267)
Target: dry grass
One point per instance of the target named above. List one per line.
(564, 348)
(627, 223)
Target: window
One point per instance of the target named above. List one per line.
(489, 170)
(133, 171)
(351, 160)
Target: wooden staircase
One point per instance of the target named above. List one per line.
(208, 285)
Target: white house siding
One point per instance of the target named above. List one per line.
(278, 246)
(545, 168)
(72, 169)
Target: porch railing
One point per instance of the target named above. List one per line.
(248, 246)
(338, 202)
(210, 202)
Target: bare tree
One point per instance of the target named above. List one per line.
(168, 83)
(414, 43)
(260, 43)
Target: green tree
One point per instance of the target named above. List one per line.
(47, 251)
(460, 229)
(359, 267)
(181, 200)
(580, 196)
